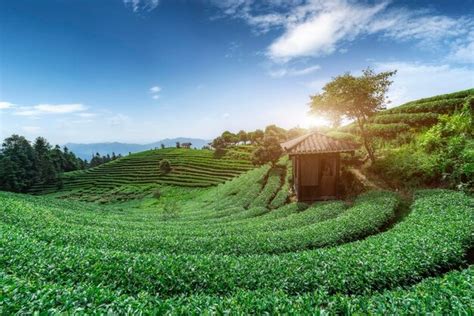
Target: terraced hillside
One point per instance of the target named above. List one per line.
(231, 249)
(414, 115)
(193, 168)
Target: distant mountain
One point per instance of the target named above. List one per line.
(85, 151)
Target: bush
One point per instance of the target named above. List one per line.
(165, 166)
(157, 194)
(412, 119)
(342, 136)
(406, 166)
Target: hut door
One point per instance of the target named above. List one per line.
(327, 187)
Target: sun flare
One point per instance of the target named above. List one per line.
(314, 121)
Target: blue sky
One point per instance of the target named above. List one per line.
(143, 70)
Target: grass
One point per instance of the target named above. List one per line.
(192, 168)
(412, 116)
(188, 250)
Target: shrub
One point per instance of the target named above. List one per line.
(165, 166)
(406, 166)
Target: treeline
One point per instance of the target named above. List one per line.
(266, 142)
(24, 164)
(228, 139)
(97, 159)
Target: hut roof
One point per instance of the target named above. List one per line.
(317, 143)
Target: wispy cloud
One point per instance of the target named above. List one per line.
(141, 5)
(155, 91)
(316, 28)
(463, 51)
(6, 105)
(419, 80)
(42, 109)
(288, 71)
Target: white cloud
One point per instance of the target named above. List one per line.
(141, 5)
(427, 29)
(60, 108)
(41, 109)
(463, 52)
(319, 34)
(155, 89)
(283, 71)
(417, 80)
(6, 105)
(316, 28)
(226, 115)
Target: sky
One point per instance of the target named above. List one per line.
(143, 70)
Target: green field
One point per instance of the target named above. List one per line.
(217, 235)
(239, 247)
(190, 167)
(414, 115)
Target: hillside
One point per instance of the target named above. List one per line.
(413, 116)
(86, 151)
(226, 249)
(190, 167)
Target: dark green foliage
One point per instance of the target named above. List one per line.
(17, 164)
(443, 104)
(165, 166)
(191, 168)
(412, 119)
(23, 166)
(269, 151)
(443, 154)
(49, 259)
(355, 98)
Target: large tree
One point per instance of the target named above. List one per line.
(355, 98)
(268, 151)
(46, 171)
(17, 164)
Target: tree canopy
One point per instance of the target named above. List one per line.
(354, 97)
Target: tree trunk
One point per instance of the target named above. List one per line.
(365, 139)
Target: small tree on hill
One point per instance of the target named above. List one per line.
(276, 131)
(256, 136)
(178, 145)
(165, 166)
(269, 151)
(243, 137)
(219, 145)
(356, 98)
(229, 138)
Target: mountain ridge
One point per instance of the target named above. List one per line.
(86, 150)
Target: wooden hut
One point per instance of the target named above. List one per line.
(186, 145)
(316, 165)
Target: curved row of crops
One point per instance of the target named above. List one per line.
(229, 248)
(193, 168)
(412, 115)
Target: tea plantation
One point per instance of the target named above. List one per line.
(189, 167)
(241, 247)
(413, 115)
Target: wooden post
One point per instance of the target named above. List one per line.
(338, 157)
(298, 170)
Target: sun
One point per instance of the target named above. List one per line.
(314, 121)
